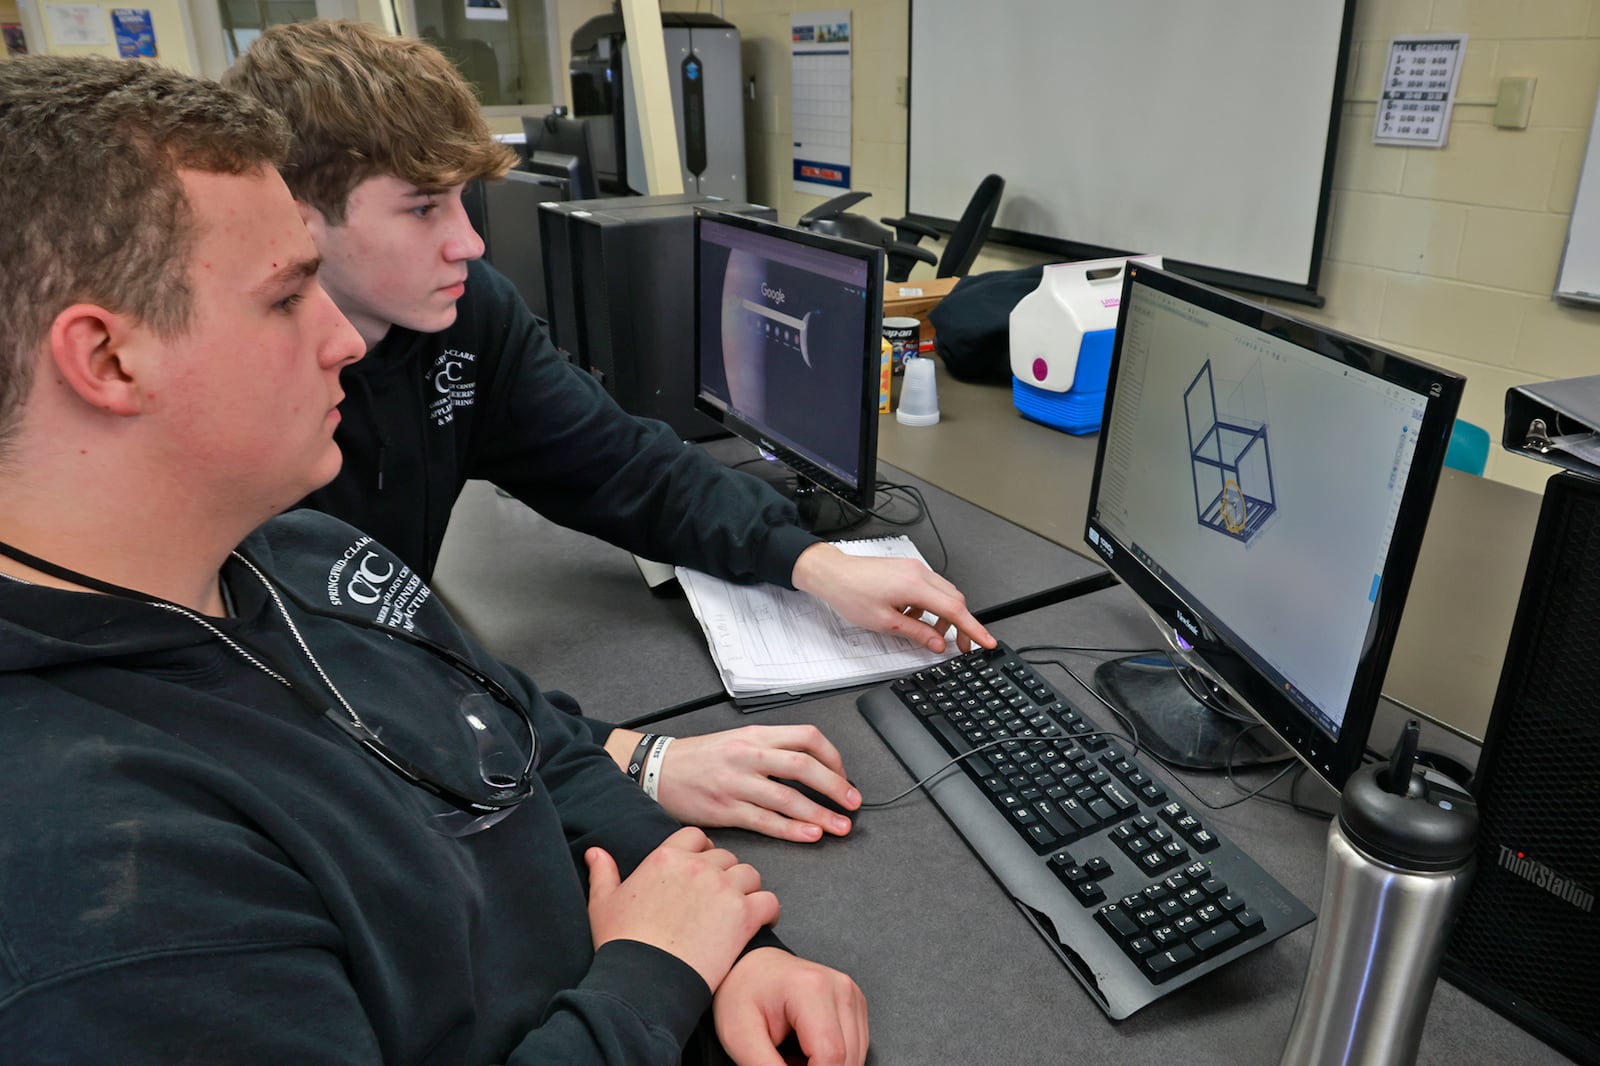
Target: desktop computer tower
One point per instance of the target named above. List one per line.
(635, 271)
(508, 222)
(562, 298)
(705, 75)
(1527, 939)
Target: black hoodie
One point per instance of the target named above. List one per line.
(490, 398)
(195, 866)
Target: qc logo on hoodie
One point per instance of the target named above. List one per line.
(365, 577)
(455, 379)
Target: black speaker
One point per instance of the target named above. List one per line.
(1527, 941)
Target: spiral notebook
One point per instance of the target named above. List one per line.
(772, 643)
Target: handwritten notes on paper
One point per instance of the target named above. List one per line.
(769, 641)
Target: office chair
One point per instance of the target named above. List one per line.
(834, 218)
(900, 239)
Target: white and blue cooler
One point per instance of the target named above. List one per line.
(1061, 337)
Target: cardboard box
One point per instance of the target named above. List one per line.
(914, 299)
(885, 377)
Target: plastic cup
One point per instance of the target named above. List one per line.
(919, 395)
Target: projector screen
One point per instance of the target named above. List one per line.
(1199, 130)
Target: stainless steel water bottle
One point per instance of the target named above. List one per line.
(1400, 858)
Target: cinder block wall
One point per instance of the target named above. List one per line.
(1449, 254)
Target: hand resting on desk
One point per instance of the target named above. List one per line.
(771, 995)
(889, 596)
(699, 903)
(736, 779)
(690, 898)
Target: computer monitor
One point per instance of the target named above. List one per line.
(564, 135)
(510, 231)
(557, 170)
(1262, 484)
(787, 336)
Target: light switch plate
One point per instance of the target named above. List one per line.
(1514, 104)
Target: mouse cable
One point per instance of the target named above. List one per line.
(1174, 773)
(1255, 793)
(985, 746)
(1200, 697)
(1052, 740)
(923, 511)
(1250, 722)
(1082, 650)
(889, 489)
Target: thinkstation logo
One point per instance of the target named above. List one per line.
(1541, 876)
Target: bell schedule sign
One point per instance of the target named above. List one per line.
(1419, 88)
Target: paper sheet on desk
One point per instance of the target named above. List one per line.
(769, 641)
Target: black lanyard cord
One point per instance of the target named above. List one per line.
(264, 662)
(45, 566)
(507, 794)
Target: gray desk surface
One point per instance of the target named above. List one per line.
(1452, 637)
(954, 974)
(986, 453)
(573, 611)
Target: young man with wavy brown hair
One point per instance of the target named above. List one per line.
(461, 382)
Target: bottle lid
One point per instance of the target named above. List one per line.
(1430, 824)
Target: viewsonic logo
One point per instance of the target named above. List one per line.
(1188, 623)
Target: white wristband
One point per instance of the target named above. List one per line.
(652, 767)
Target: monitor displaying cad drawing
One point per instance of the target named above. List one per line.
(1263, 483)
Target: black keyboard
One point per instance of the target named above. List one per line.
(1125, 880)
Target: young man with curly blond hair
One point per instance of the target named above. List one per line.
(461, 382)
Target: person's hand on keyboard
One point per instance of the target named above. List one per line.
(889, 596)
(739, 779)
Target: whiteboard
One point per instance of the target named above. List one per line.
(1579, 278)
(1199, 130)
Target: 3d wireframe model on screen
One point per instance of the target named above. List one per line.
(1228, 454)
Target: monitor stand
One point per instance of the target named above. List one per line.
(1184, 718)
(821, 512)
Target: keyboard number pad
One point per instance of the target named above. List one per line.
(1181, 920)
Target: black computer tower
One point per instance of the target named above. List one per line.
(509, 225)
(1528, 935)
(635, 271)
(562, 298)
